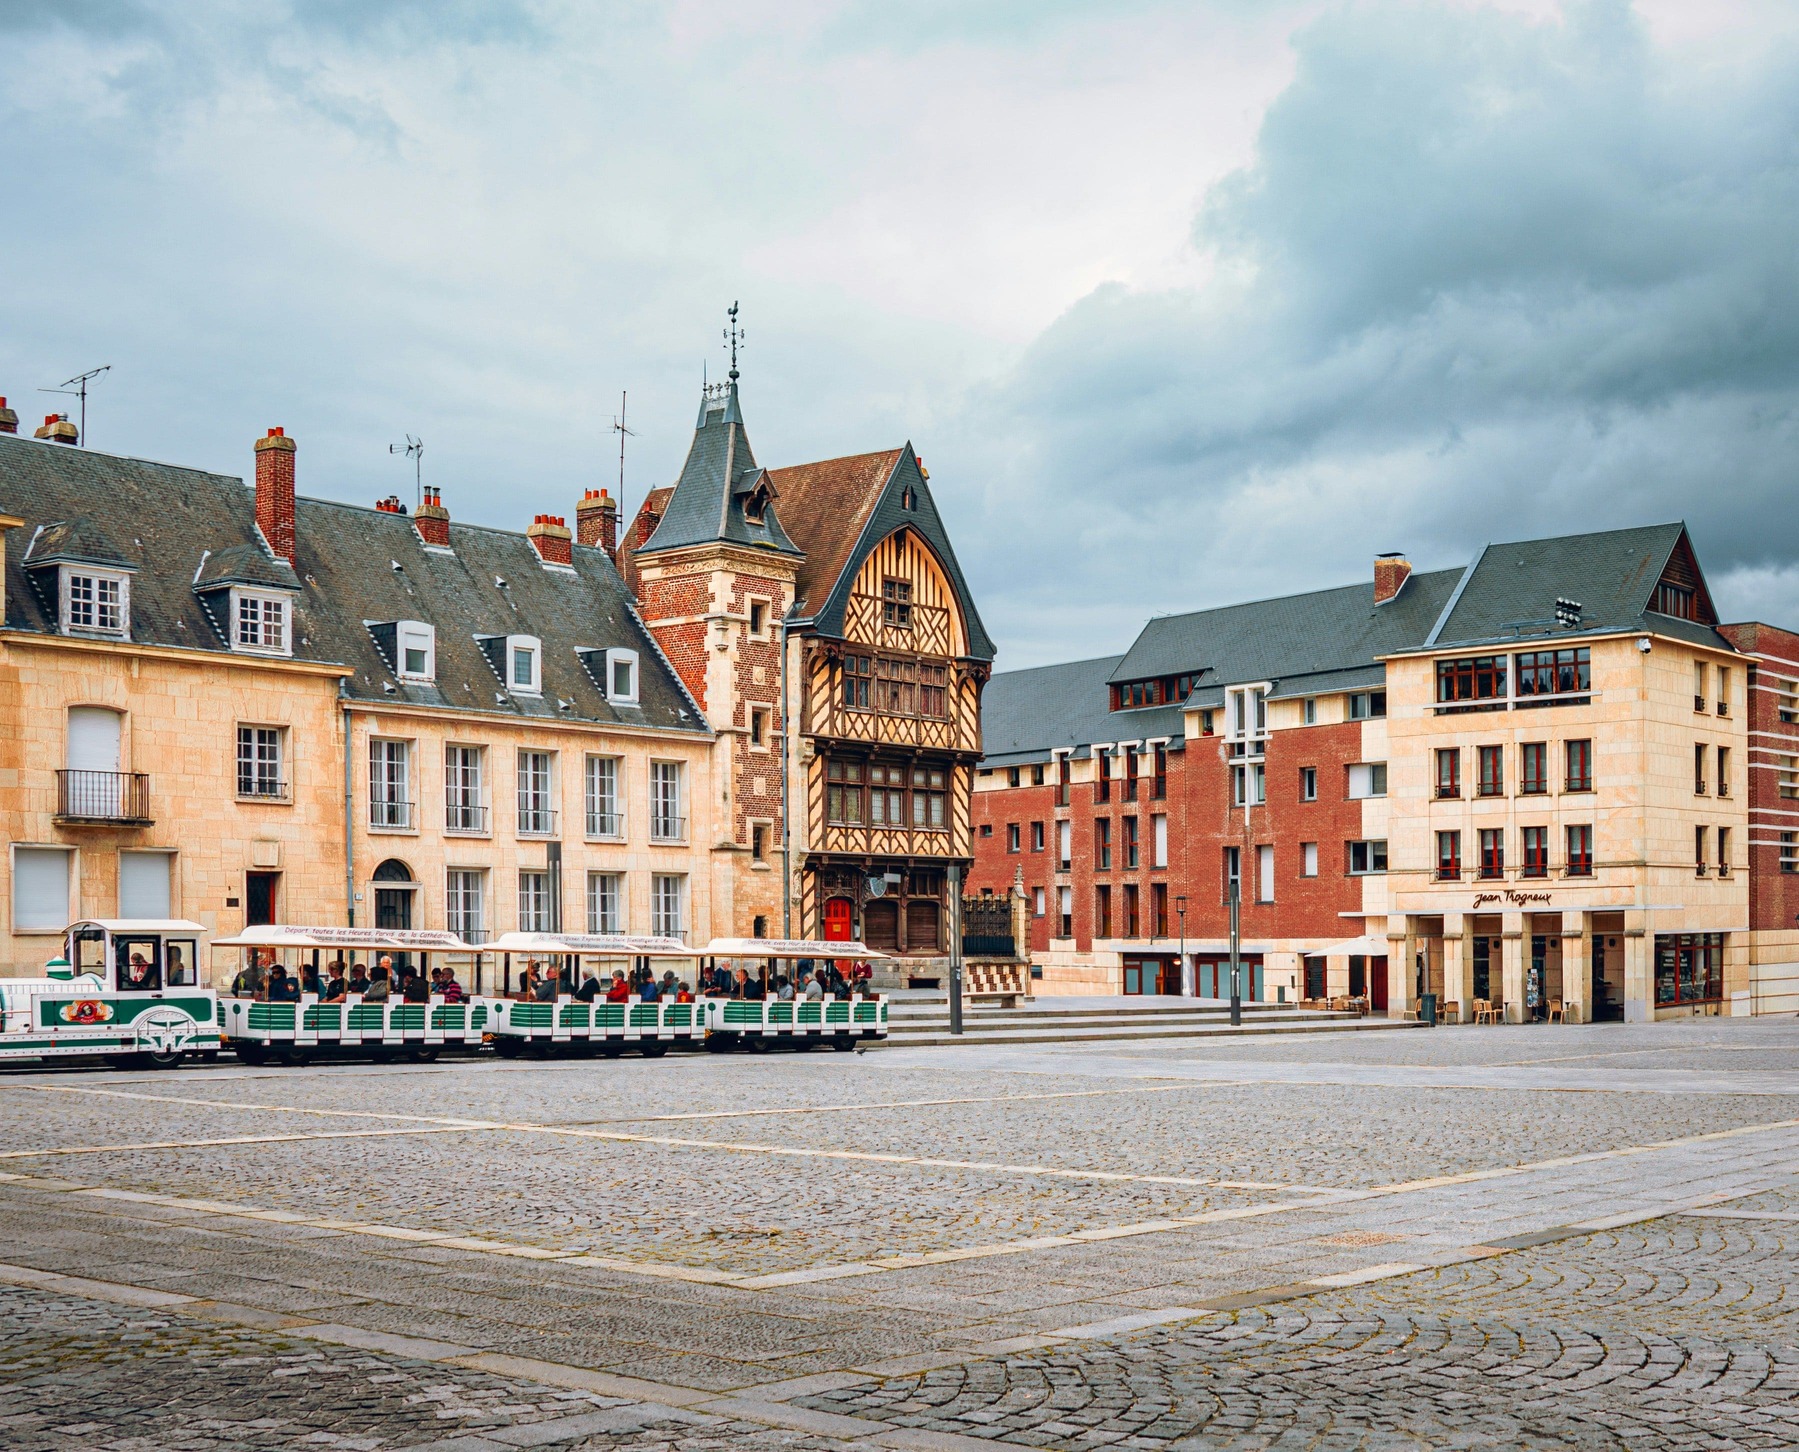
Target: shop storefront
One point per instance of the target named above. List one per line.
(1689, 971)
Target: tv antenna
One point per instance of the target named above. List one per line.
(76, 387)
(413, 449)
(618, 427)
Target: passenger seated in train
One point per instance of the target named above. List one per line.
(282, 989)
(336, 986)
(589, 989)
(618, 991)
(647, 991)
(414, 989)
(359, 979)
(684, 993)
(381, 985)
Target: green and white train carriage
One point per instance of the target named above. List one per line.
(127, 989)
(797, 1023)
(571, 1025)
(295, 1033)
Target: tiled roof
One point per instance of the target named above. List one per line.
(825, 507)
(1024, 714)
(179, 528)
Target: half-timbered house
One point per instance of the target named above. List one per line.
(819, 616)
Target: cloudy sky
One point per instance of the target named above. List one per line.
(1181, 303)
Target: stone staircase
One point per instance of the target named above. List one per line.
(921, 1019)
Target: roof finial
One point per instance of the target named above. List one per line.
(733, 336)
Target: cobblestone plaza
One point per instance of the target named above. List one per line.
(1476, 1237)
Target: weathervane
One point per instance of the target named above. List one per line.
(733, 336)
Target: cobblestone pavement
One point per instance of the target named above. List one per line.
(1684, 1334)
(1536, 1237)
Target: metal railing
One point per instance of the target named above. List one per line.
(668, 829)
(536, 821)
(262, 788)
(464, 817)
(103, 796)
(605, 824)
(390, 813)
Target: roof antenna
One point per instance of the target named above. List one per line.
(76, 387)
(413, 449)
(618, 427)
(733, 336)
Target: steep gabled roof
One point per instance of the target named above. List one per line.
(1510, 590)
(706, 506)
(186, 533)
(840, 510)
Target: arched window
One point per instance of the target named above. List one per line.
(393, 870)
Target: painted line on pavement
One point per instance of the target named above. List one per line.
(174, 1144)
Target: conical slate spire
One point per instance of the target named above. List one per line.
(722, 495)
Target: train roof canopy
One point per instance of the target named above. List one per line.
(115, 926)
(403, 940)
(786, 948)
(616, 945)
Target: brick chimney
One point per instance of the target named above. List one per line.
(432, 520)
(58, 430)
(275, 492)
(1390, 572)
(9, 419)
(551, 538)
(596, 521)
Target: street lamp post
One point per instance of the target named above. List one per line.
(1180, 911)
(1236, 958)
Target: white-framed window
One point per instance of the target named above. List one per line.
(605, 902)
(390, 784)
(533, 901)
(605, 812)
(1367, 857)
(259, 623)
(1369, 705)
(1249, 785)
(524, 665)
(668, 905)
(465, 799)
(415, 651)
(146, 884)
(1309, 710)
(537, 793)
(1308, 859)
(465, 903)
(1039, 903)
(1158, 826)
(41, 881)
(1265, 874)
(261, 765)
(1368, 779)
(95, 602)
(621, 677)
(668, 822)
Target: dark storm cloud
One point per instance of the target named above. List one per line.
(1486, 278)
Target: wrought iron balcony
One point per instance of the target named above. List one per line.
(465, 817)
(534, 821)
(392, 814)
(605, 824)
(668, 829)
(109, 798)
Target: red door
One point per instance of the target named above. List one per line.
(1377, 984)
(837, 920)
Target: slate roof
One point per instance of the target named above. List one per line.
(707, 503)
(1025, 713)
(182, 530)
(1272, 640)
(1511, 589)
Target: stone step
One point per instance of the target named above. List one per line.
(922, 1037)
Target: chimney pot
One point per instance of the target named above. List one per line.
(551, 538)
(275, 492)
(58, 430)
(1390, 574)
(596, 522)
(432, 520)
(9, 418)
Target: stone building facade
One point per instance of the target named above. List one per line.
(1549, 781)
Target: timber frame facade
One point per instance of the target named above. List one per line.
(820, 617)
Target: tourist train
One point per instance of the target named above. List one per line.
(130, 992)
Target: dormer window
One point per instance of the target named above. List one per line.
(524, 665)
(621, 677)
(416, 651)
(259, 623)
(95, 602)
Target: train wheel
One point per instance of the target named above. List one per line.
(151, 1059)
(426, 1055)
(255, 1055)
(293, 1056)
(652, 1048)
(843, 1043)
